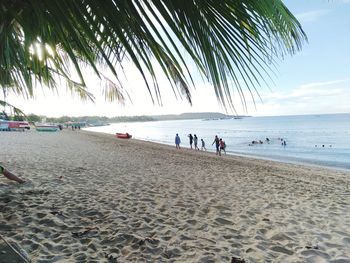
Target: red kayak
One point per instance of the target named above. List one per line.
(123, 135)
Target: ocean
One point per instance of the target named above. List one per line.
(310, 139)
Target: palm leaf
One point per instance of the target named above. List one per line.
(234, 44)
(16, 111)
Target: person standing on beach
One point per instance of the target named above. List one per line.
(222, 145)
(195, 140)
(191, 139)
(217, 145)
(177, 141)
(203, 145)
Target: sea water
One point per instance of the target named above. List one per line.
(312, 139)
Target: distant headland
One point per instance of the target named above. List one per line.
(141, 118)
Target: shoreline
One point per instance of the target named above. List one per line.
(92, 197)
(298, 162)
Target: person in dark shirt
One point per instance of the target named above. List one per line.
(217, 144)
(191, 139)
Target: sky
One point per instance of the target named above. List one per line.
(313, 81)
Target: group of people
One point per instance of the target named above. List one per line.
(267, 140)
(330, 146)
(219, 143)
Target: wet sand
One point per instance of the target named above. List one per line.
(94, 198)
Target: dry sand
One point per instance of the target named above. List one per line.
(142, 202)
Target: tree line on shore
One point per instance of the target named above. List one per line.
(87, 119)
(104, 119)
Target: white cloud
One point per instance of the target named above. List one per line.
(311, 98)
(311, 16)
(325, 83)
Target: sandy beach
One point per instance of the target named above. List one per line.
(94, 198)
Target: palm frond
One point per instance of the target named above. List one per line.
(16, 111)
(229, 41)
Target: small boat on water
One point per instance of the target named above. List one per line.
(123, 135)
(46, 128)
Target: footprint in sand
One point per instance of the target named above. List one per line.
(223, 221)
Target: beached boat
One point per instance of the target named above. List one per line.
(14, 125)
(46, 128)
(123, 135)
(4, 125)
